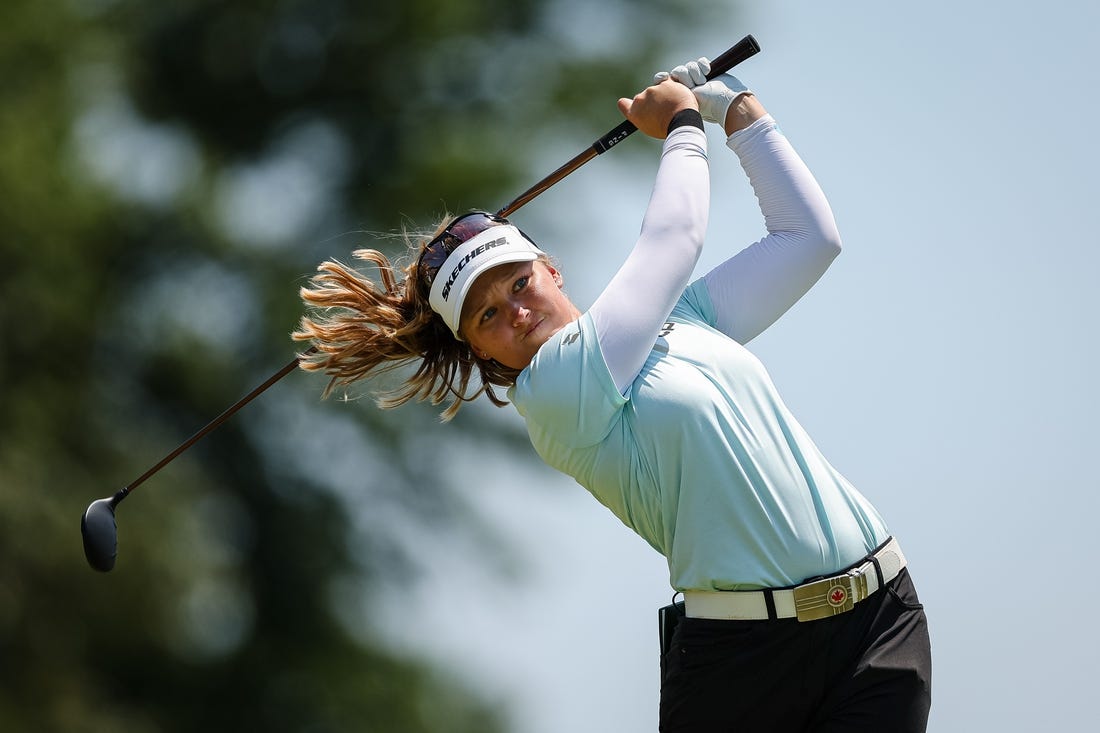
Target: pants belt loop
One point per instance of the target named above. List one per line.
(878, 572)
(769, 601)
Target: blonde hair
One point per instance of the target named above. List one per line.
(360, 327)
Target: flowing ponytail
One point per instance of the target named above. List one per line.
(361, 327)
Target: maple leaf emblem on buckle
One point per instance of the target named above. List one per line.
(837, 596)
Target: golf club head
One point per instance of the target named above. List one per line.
(100, 532)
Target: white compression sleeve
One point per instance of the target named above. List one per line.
(760, 283)
(634, 305)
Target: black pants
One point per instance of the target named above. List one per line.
(866, 670)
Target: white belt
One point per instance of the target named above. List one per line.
(806, 602)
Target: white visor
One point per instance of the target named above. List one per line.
(495, 246)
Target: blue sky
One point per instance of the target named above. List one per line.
(945, 364)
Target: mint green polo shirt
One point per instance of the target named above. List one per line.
(701, 457)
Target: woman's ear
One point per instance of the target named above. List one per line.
(554, 273)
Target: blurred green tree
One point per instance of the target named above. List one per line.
(169, 172)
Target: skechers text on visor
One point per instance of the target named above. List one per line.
(497, 245)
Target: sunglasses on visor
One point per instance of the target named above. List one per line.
(461, 229)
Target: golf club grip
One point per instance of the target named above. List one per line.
(746, 48)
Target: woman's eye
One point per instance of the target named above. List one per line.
(521, 283)
(489, 313)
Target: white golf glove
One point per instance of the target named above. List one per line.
(714, 96)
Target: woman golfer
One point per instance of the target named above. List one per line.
(799, 613)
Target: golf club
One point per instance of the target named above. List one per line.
(98, 525)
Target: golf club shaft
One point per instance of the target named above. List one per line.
(229, 412)
(743, 49)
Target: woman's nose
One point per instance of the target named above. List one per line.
(519, 314)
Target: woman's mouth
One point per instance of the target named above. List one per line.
(532, 328)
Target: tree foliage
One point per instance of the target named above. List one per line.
(170, 172)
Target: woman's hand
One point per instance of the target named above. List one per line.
(652, 109)
(724, 99)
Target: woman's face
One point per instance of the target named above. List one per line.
(513, 309)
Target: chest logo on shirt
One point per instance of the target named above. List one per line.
(666, 329)
(569, 339)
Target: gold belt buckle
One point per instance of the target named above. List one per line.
(830, 596)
